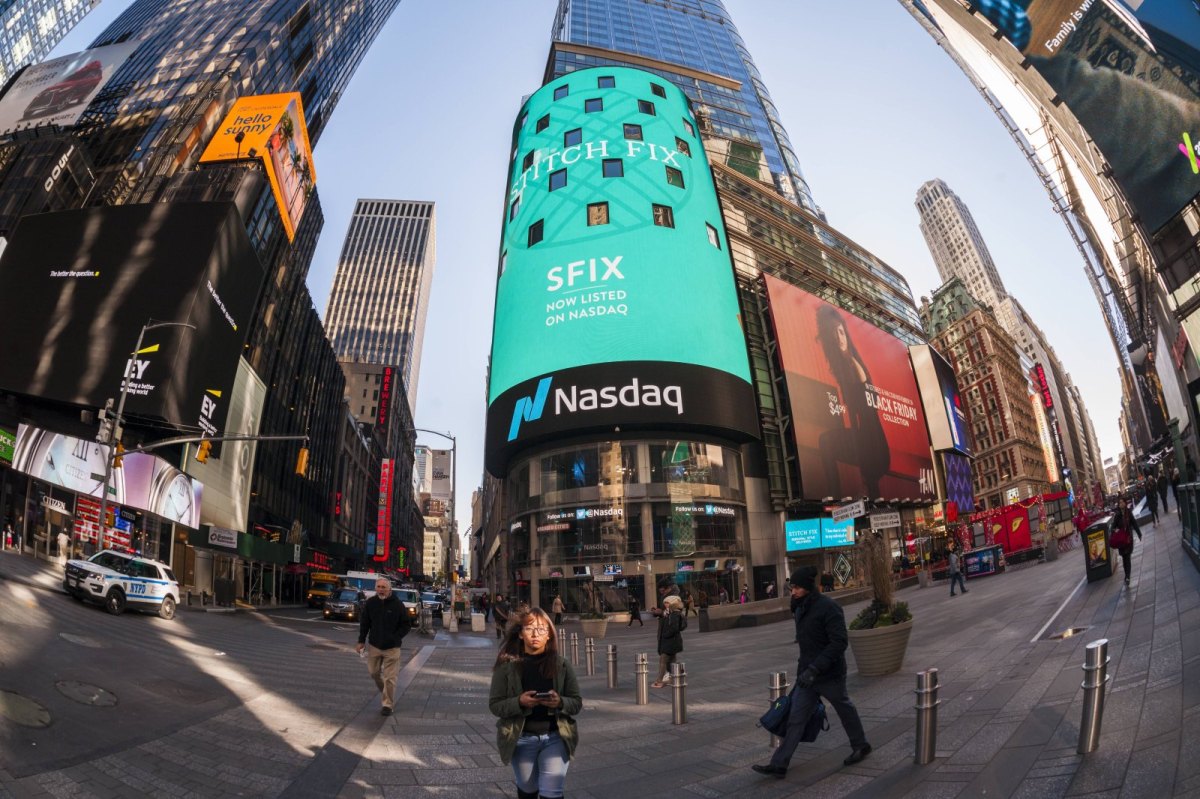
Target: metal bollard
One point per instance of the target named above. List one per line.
(641, 679)
(1095, 682)
(574, 649)
(779, 687)
(589, 649)
(926, 707)
(612, 665)
(678, 693)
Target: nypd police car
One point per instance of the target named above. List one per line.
(119, 580)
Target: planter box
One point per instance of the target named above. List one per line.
(880, 651)
(594, 628)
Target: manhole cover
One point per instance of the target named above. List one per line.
(1071, 633)
(81, 640)
(23, 711)
(86, 694)
(328, 647)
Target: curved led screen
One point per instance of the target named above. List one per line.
(615, 302)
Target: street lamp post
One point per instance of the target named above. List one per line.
(453, 485)
(112, 437)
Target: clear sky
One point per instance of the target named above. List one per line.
(873, 107)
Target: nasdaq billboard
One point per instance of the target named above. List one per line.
(615, 299)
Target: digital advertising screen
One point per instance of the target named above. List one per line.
(944, 411)
(856, 412)
(271, 127)
(802, 534)
(58, 91)
(89, 280)
(1138, 101)
(959, 488)
(615, 299)
(837, 534)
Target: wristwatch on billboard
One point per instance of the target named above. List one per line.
(171, 495)
(73, 463)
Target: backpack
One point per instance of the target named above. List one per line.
(775, 720)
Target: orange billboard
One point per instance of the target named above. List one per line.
(270, 127)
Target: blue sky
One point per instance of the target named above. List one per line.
(873, 108)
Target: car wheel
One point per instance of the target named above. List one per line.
(114, 603)
(167, 609)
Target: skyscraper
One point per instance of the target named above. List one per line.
(695, 45)
(380, 295)
(956, 244)
(29, 29)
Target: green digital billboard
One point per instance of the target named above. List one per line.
(615, 299)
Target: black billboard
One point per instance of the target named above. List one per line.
(81, 284)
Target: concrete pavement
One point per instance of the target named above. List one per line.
(1008, 719)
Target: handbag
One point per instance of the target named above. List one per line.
(1120, 539)
(775, 720)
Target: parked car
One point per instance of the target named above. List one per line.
(345, 603)
(119, 580)
(412, 601)
(434, 602)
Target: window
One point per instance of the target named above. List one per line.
(528, 160)
(688, 127)
(683, 147)
(512, 209)
(674, 177)
(561, 92)
(558, 179)
(613, 168)
(597, 214)
(524, 118)
(543, 123)
(663, 216)
(535, 233)
(658, 90)
(713, 238)
(572, 137)
(646, 107)
(633, 132)
(606, 82)
(592, 106)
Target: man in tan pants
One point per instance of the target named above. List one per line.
(382, 627)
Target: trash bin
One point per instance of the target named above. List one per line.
(478, 625)
(223, 591)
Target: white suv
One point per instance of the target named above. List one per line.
(119, 580)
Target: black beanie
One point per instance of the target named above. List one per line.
(805, 577)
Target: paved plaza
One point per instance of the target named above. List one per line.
(285, 709)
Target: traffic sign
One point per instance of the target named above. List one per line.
(851, 511)
(881, 521)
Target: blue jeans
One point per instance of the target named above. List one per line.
(962, 582)
(540, 764)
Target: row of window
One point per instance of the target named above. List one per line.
(610, 168)
(597, 214)
(574, 138)
(606, 82)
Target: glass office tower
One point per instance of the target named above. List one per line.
(30, 29)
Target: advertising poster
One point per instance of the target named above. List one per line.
(856, 411)
(980, 562)
(58, 91)
(383, 522)
(959, 488)
(271, 127)
(944, 409)
(144, 482)
(837, 534)
(1097, 548)
(1010, 529)
(1139, 103)
(441, 464)
(802, 534)
(89, 280)
(615, 299)
(8, 440)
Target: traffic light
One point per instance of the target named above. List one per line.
(120, 452)
(203, 450)
(302, 462)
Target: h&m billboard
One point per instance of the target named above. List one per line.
(856, 411)
(83, 284)
(58, 91)
(270, 127)
(944, 411)
(615, 302)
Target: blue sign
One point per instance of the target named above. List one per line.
(837, 534)
(803, 534)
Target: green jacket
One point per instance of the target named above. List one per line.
(504, 702)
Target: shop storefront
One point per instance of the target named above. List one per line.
(230, 565)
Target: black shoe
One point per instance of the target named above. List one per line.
(965, 591)
(954, 595)
(771, 771)
(857, 755)
(385, 711)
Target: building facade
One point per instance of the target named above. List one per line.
(30, 29)
(380, 296)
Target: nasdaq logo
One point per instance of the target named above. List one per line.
(529, 409)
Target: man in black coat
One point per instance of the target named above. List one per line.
(821, 672)
(382, 627)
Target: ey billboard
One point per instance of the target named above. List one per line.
(270, 127)
(856, 412)
(615, 300)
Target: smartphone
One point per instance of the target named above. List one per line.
(543, 695)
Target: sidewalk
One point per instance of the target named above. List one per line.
(1008, 722)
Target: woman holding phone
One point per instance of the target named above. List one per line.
(535, 696)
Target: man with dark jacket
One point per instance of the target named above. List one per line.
(382, 627)
(821, 672)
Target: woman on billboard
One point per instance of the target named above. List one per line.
(863, 443)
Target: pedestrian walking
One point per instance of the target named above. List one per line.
(635, 611)
(1163, 484)
(820, 672)
(771, 591)
(500, 613)
(8, 536)
(745, 597)
(689, 606)
(671, 624)
(535, 696)
(485, 606)
(558, 608)
(723, 596)
(381, 628)
(1151, 499)
(1175, 486)
(955, 571)
(1121, 539)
